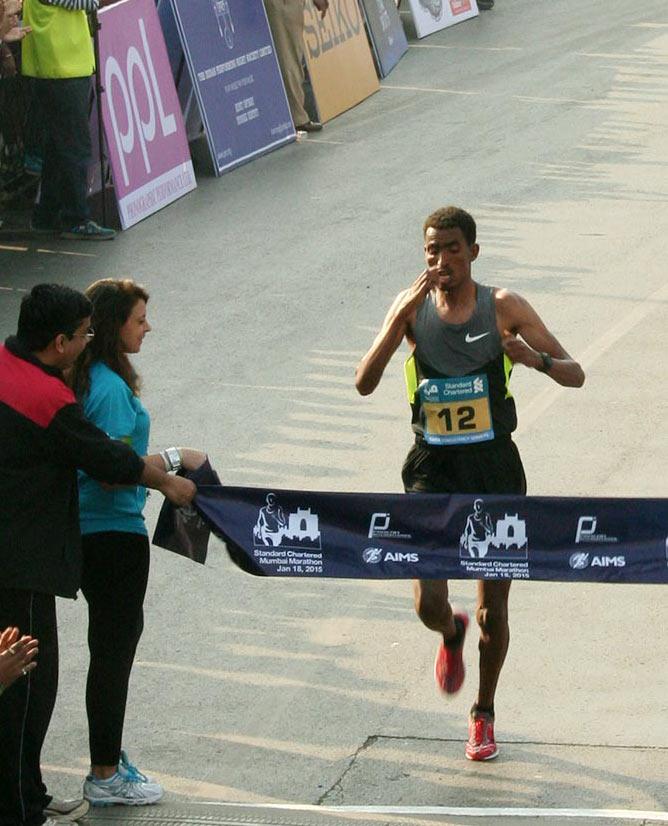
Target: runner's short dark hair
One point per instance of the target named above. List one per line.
(452, 217)
(47, 311)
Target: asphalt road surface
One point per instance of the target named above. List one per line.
(548, 121)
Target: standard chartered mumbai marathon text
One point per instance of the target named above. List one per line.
(496, 569)
(303, 555)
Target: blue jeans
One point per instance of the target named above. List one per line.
(64, 107)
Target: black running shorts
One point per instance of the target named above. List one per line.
(495, 467)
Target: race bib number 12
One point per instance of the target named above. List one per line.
(456, 411)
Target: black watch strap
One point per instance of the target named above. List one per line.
(547, 360)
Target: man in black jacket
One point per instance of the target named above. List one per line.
(45, 439)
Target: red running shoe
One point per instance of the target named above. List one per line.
(481, 744)
(449, 664)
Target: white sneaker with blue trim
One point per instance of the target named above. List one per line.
(127, 787)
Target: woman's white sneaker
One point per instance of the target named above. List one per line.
(121, 789)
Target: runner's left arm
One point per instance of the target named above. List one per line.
(525, 337)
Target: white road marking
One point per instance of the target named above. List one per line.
(428, 89)
(322, 140)
(48, 252)
(68, 252)
(522, 98)
(461, 811)
(467, 48)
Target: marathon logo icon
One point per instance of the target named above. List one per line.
(586, 531)
(299, 530)
(379, 528)
(580, 560)
(494, 551)
(373, 556)
(482, 540)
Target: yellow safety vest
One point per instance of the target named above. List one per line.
(60, 44)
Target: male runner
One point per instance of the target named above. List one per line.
(478, 531)
(456, 327)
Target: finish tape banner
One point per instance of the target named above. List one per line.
(272, 532)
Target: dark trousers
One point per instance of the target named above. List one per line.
(25, 709)
(114, 579)
(64, 107)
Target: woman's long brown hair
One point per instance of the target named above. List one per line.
(113, 300)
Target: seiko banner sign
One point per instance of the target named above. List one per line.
(433, 15)
(148, 150)
(272, 532)
(338, 56)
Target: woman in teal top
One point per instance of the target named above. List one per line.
(114, 536)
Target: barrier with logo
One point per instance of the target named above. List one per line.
(339, 59)
(271, 532)
(148, 150)
(386, 32)
(433, 15)
(236, 78)
(180, 73)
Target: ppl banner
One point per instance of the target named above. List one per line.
(236, 78)
(148, 151)
(338, 57)
(386, 33)
(271, 532)
(431, 16)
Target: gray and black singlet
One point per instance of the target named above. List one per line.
(458, 377)
(463, 413)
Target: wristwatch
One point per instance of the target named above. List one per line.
(547, 362)
(172, 456)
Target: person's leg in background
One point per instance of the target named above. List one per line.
(286, 19)
(63, 201)
(114, 580)
(26, 708)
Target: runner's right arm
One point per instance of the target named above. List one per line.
(396, 325)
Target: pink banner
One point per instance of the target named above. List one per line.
(146, 140)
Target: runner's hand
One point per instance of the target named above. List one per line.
(416, 293)
(321, 6)
(518, 351)
(179, 490)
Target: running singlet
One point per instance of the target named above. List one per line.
(458, 375)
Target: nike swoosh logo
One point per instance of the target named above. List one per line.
(470, 339)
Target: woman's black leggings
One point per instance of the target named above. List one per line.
(115, 574)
